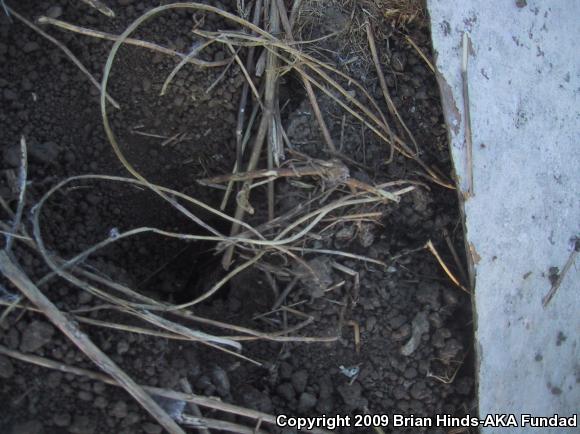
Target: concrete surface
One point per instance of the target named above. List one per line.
(524, 83)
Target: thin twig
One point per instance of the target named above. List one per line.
(271, 191)
(15, 228)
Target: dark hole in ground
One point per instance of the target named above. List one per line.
(292, 94)
(199, 267)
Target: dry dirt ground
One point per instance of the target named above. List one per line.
(415, 350)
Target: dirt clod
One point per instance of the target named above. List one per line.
(255, 399)
(352, 396)
(36, 335)
(420, 326)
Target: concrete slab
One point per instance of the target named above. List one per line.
(524, 85)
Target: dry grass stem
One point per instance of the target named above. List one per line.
(130, 41)
(246, 334)
(332, 171)
(245, 140)
(456, 258)
(421, 54)
(222, 282)
(22, 179)
(274, 145)
(431, 247)
(194, 52)
(250, 66)
(66, 51)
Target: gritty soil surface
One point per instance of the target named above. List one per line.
(415, 350)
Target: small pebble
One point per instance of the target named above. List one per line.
(62, 419)
(54, 12)
(30, 47)
(122, 347)
(85, 396)
(151, 428)
(306, 402)
(36, 335)
(10, 95)
(119, 410)
(299, 380)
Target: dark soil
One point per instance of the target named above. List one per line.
(415, 325)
